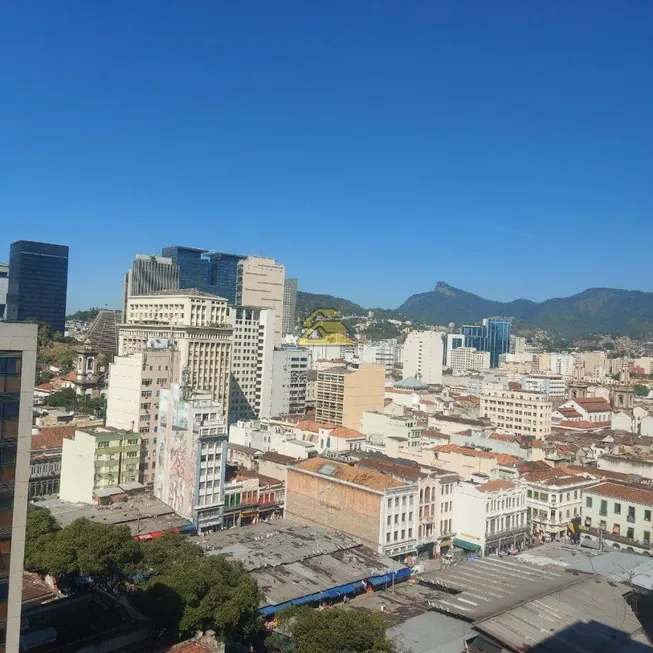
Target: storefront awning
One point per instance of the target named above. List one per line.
(464, 544)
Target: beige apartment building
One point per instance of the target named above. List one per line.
(135, 384)
(344, 394)
(197, 324)
(528, 413)
(261, 282)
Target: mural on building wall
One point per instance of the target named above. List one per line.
(176, 454)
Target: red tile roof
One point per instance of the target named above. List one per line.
(314, 427)
(46, 387)
(465, 451)
(507, 459)
(344, 432)
(594, 405)
(52, 437)
(469, 399)
(496, 486)
(581, 424)
(624, 492)
(503, 437)
(275, 457)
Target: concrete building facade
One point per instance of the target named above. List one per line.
(466, 359)
(261, 282)
(17, 371)
(96, 459)
(150, 274)
(250, 395)
(528, 413)
(344, 394)
(289, 380)
(374, 508)
(198, 325)
(289, 306)
(135, 385)
(423, 353)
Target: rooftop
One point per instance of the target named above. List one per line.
(344, 432)
(275, 457)
(343, 472)
(314, 427)
(411, 383)
(142, 514)
(624, 492)
(496, 486)
(242, 448)
(465, 451)
(290, 561)
(52, 437)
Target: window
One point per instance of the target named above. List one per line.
(529, 494)
(132, 454)
(588, 502)
(132, 442)
(387, 537)
(410, 533)
(604, 507)
(617, 508)
(630, 533)
(647, 537)
(102, 445)
(389, 520)
(631, 513)
(396, 536)
(396, 519)
(403, 533)
(647, 515)
(389, 504)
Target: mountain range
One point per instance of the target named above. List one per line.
(595, 310)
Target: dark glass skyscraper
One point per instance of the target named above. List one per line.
(493, 336)
(193, 266)
(223, 270)
(38, 283)
(212, 272)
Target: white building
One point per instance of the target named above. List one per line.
(554, 498)
(517, 345)
(380, 426)
(563, 364)
(261, 282)
(289, 379)
(250, 395)
(265, 436)
(135, 383)
(552, 386)
(453, 341)
(620, 515)
(528, 413)
(423, 353)
(591, 409)
(192, 457)
(490, 516)
(383, 352)
(466, 359)
(198, 325)
(4, 287)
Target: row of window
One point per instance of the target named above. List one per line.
(396, 535)
(617, 508)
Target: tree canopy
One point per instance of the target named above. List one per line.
(641, 390)
(346, 631)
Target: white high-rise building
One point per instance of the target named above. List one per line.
(289, 381)
(4, 287)
(261, 282)
(383, 352)
(289, 306)
(150, 274)
(198, 325)
(252, 361)
(454, 341)
(465, 359)
(135, 385)
(423, 356)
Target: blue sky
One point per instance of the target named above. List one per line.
(375, 148)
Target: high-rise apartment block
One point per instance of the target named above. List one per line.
(493, 336)
(150, 274)
(197, 324)
(4, 286)
(289, 306)
(251, 371)
(135, 385)
(192, 456)
(383, 352)
(423, 356)
(38, 283)
(465, 359)
(344, 394)
(17, 368)
(261, 282)
(289, 379)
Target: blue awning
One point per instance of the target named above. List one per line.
(346, 589)
(308, 599)
(377, 581)
(403, 573)
(332, 593)
(273, 609)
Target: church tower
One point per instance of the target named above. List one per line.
(622, 395)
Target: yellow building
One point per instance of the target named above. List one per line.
(343, 394)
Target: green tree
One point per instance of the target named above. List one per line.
(65, 398)
(41, 526)
(104, 552)
(346, 631)
(197, 592)
(641, 390)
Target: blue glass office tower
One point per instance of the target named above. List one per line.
(223, 270)
(193, 266)
(212, 272)
(493, 336)
(38, 283)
